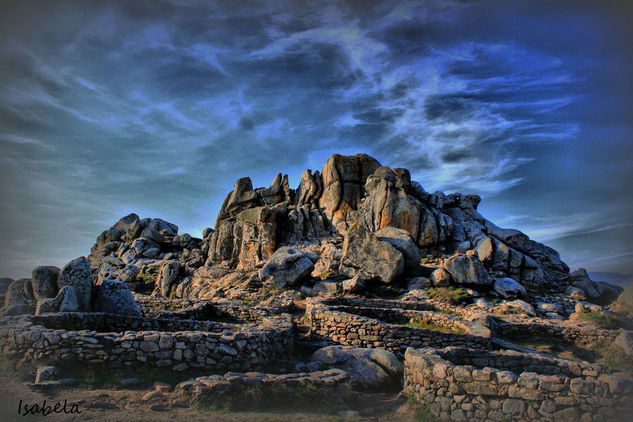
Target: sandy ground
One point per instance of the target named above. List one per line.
(126, 405)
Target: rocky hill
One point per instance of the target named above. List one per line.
(353, 220)
(390, 290)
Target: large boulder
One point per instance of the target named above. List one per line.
(365, 255)
(65, 301)
(391, 202)
(20, 292)
(4, 285)
(467, 269)
(508, 287)
(286, 267)
(625, 341)
(580, 279)
(126, 222)
(625, 299)
(344, 186)
(114, 297)
(517, 306)
(401, 240)
(168, 275)
(78, 275)
(44, 279)
(372, 369)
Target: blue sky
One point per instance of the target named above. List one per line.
(158, 107)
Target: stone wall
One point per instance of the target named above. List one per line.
(580, 336)
(343, 325)
(200, 310)
(461, 384)
(126, 341)
(256, 389)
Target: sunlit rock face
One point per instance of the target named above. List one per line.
(353, 218)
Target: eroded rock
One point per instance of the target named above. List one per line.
(286, 267)
(365, 255)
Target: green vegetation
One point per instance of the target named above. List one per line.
(326, 274)
(601, 320)
(430, 325)
(453, 295)
(146, 283)
(331, 275)
(614, 357)
(146, 278)
(20, 369)
(421, 413)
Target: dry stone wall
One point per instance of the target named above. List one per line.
(249, 389)
(129, 341)
(461, 384)
(578, 335)
(347, 328)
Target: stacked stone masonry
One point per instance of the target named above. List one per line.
(342, 322)
(460, 384)
(573, 334)
(268, 390)
(120, 341)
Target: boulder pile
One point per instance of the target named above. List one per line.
(353, 220)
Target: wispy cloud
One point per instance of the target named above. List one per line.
(159, 108)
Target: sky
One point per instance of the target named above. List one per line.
(157, 107)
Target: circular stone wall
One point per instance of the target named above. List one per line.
(121, 341)
(461, 384)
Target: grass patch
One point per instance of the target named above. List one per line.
(18, 368)
(615, 358)
(423, 414)
(430, 325)
(601, 320)
(453, 295)
(146, 283)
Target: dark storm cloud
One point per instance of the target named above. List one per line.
(158, 106)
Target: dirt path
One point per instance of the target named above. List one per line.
(126, 405)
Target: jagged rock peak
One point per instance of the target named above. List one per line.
(254, 223)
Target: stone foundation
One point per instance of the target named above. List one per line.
(461, 384)
(255, 389)
(120, 341)
(580, 336)
(369, 326)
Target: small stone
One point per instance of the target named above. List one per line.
(129, 382)
(158, 407)
(179, 403)
(162, 387)
(151, 395)
(349, 414)
(45, 373)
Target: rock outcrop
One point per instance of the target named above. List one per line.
(286, 267)
(114, 297)
(386, 219)
(352, 218)
(365, 255)
(78, 275)
(367, 368)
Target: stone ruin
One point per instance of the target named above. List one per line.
(332, 248)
